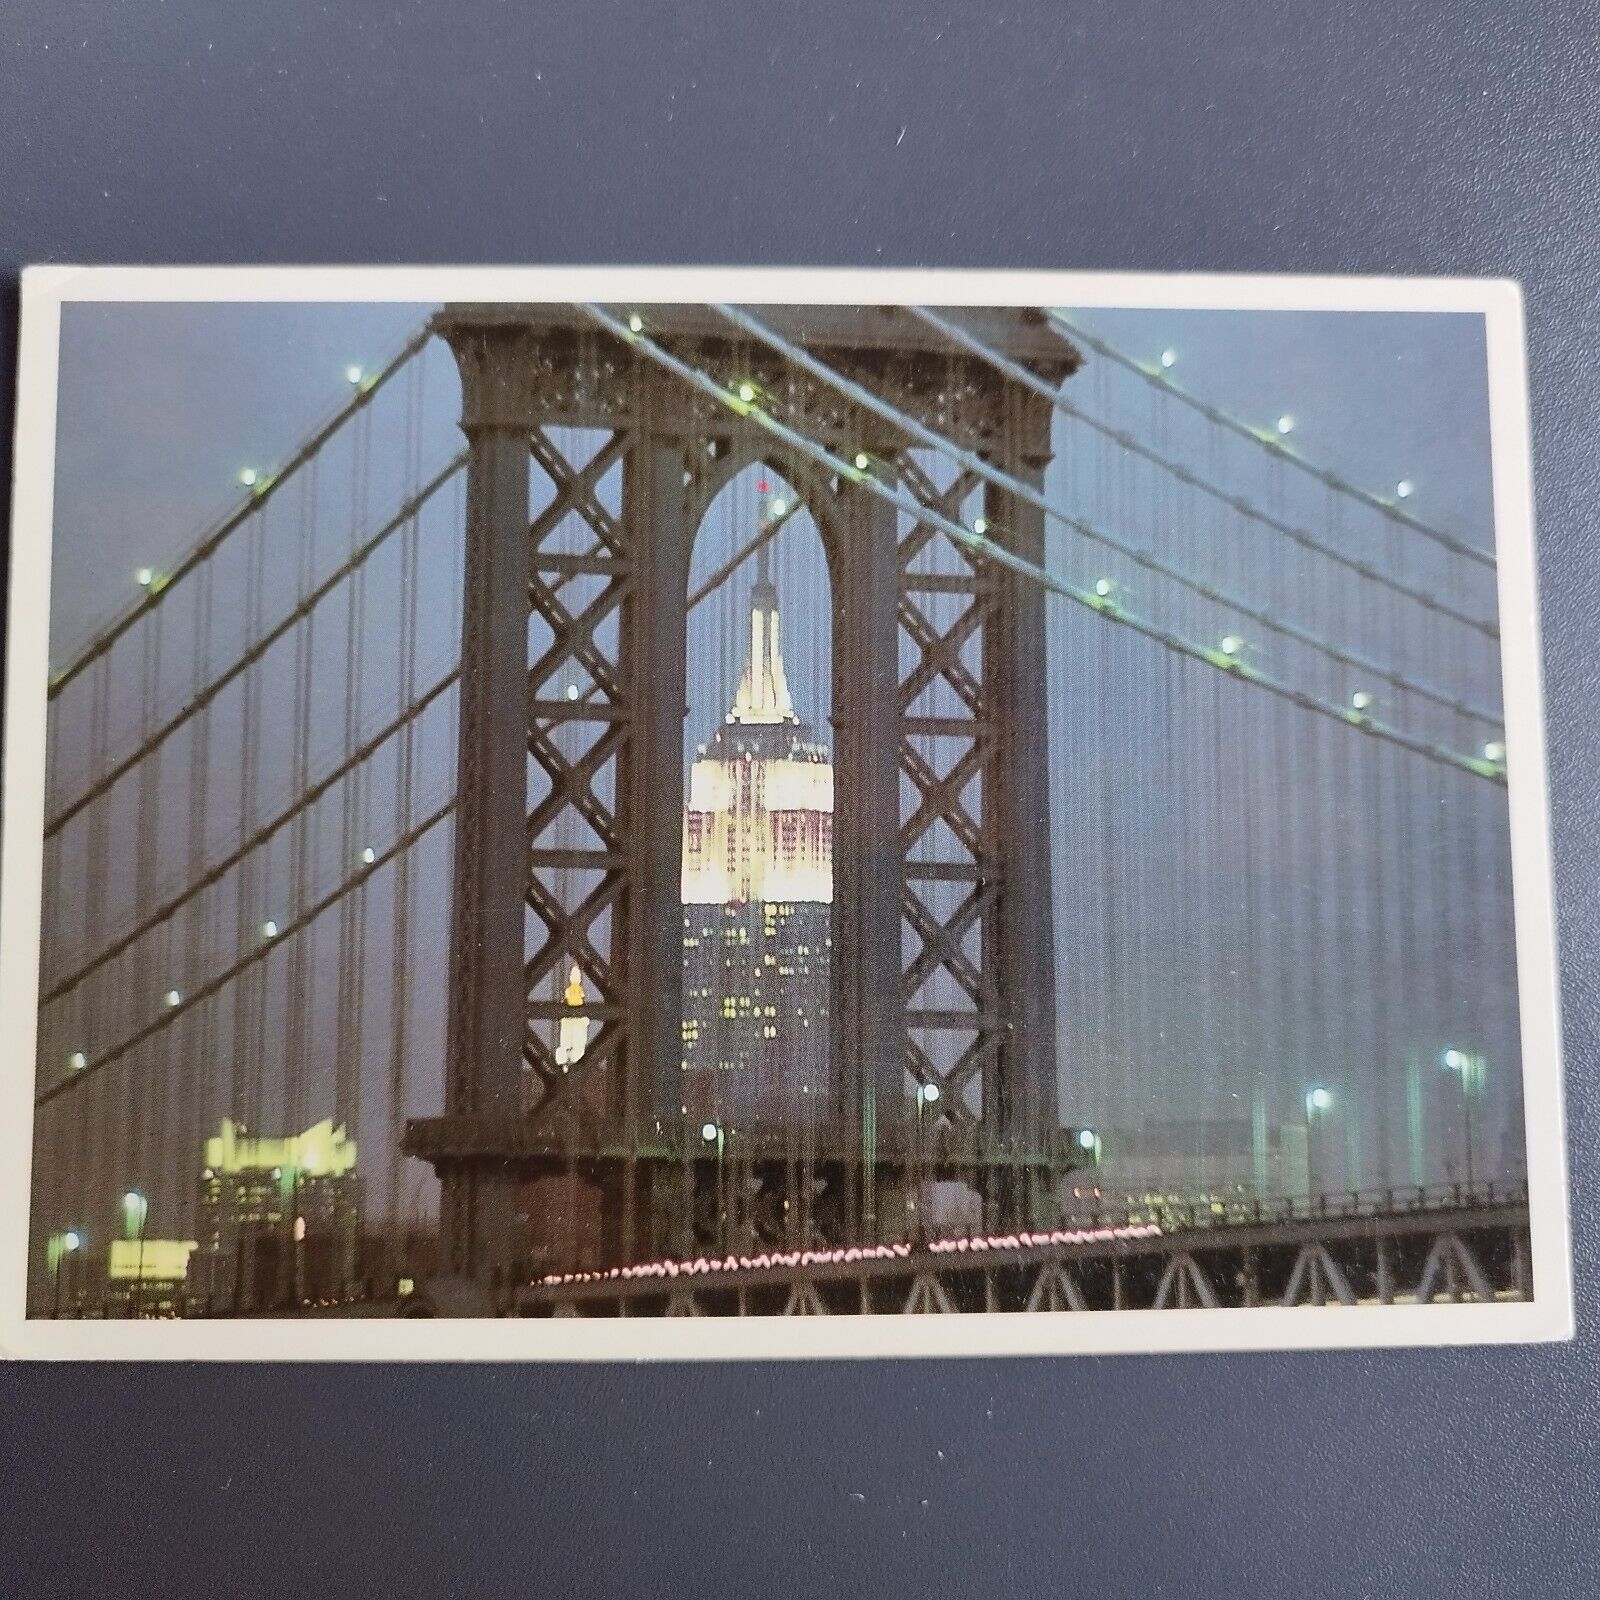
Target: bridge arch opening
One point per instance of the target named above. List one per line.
(757, 883)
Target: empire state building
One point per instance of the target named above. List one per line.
(757, 896)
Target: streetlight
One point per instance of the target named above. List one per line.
(927, 1095)
(61, 1246)
(713, 1133)
(1319, 1102)
(135, 1209)
(1469, 1070)
(1089, 1143)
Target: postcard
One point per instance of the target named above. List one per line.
(721, 813)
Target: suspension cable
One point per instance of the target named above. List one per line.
(1273, 444)
(769, 531)
(250, 959)
(256, 650)
(1025, 491)
(260, 836)
(1102, 606)
(261, 491)
(1305, 539)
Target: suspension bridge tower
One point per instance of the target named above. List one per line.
(592, 462)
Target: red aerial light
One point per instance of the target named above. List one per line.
(763, 487)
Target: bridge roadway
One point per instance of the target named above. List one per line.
(1397, 1247)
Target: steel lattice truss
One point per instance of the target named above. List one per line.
(943, 839)
(575, 743)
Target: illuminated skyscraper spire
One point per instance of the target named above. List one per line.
(763, 690)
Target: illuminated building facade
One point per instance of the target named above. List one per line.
(279, 1219)
(757, 897)
(147, 1277)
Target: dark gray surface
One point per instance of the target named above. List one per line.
(1373, 136)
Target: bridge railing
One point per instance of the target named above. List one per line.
(1173, 1216)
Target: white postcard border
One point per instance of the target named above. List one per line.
(1549, 1316)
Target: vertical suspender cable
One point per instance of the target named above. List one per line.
(145, 1070)
(405, 778)
(198, 1075)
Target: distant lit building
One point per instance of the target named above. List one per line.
(1195, 1161)
(147, 1277)
(757, 897)
(279, 1219)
